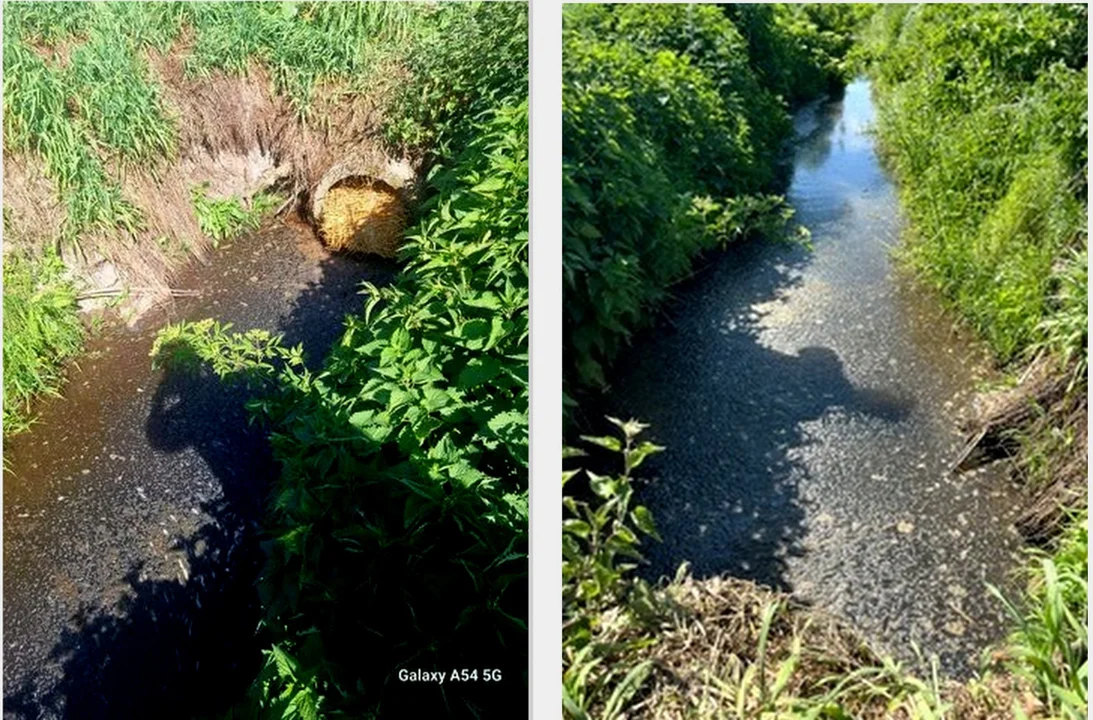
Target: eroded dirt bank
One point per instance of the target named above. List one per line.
(131, 508)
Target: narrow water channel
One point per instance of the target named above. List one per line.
(131, 509)
(808, 400)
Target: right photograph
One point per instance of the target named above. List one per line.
(825, 382)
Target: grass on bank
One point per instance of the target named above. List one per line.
(80, 98)
(982, 118)
(41, 331)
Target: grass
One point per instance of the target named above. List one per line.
(728, 648)
(80, 99)
(982, 118)
(226, 218)
(1050, 644)
(41, 330)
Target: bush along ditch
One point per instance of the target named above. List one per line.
(983, 121)
(137, 136)
(674, 123)
(397, 529)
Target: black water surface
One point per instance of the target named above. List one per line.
(131, 512)
(808, 400)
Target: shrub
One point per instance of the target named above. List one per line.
(671, 141)
(399, 521)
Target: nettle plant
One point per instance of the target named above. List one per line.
(600, 595)
(399, 521)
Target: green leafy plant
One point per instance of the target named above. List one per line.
(225, 218)
(403, 493)
(672, 134)
(41, 330)
(600, 537)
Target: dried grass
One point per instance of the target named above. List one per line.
(31, 203)
(363, 217)
(718, 656)
(1041, 426)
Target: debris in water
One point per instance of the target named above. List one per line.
(955, 627)
(904, 526)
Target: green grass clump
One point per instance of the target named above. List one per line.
(109, 82)
(673, 125)
(41, 331)
(982, 116)
(225, 218)
(1050, 646)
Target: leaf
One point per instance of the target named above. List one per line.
(643, 520)
(611, 443)
(626, 689)
(490, 185)
(577, 527)
(477, 371)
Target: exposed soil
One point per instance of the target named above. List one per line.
(237, 137)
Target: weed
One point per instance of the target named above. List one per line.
(672, 127)
(225, 218)
(982, 117)
(403, 493)
(41, 331)
(1050, 644)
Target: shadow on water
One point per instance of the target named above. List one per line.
(187, 646)
(732, 412)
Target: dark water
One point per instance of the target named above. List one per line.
(809, 401)
(131, 509)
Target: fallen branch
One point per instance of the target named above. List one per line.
(114, 292)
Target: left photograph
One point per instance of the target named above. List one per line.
(265, 360)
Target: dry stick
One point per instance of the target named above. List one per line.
(110, 292)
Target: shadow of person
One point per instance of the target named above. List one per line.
(736, 417)
(170, 648)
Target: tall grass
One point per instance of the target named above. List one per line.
(302, 44)
(1050, 645)
(982, 116)
(41, 331)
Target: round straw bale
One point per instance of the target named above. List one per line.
(363, 216)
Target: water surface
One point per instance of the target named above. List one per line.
(131, 509)
(809, 401)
